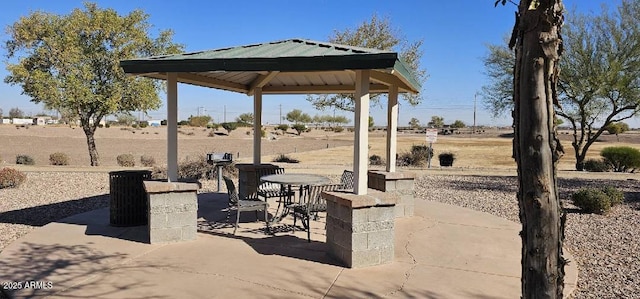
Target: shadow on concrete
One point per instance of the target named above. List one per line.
(62, 268)
(212, 220)
(41, 215)
(97, 224)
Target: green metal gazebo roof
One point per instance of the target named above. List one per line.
(294, 66)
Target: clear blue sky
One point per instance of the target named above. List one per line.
(455, 33)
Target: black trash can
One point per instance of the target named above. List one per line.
(128, 203)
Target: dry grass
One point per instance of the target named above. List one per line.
(316, 148)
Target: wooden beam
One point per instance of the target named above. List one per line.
(172, 127)
(360, 150)
(257, 125)
(321, 89)
(199, 80)
(389, 79)
(261, 81)
(392, 128)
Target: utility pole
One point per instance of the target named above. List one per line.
(475, 97)
(225, 113)
(280, 113)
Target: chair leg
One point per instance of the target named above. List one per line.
(308, 229)
(237, 221)
(266, 220)
(293, 228)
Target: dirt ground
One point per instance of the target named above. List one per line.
(489, 150)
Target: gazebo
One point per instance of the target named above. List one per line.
(294, 66)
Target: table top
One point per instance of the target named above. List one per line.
(296, 179)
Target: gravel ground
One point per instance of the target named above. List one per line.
(606, 248)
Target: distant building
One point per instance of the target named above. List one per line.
(155, 123)
(41, 120)
(22, 121)
(5, 121)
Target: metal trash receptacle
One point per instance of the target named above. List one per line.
(128, 200)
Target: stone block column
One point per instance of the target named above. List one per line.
(360, 228)
(247, 181)
(173, 211)
(398, 183)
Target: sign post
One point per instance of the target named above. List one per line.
(432, 136)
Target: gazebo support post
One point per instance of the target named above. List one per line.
(172, 127)
(360, 155)
(392, 128)
(257, 124)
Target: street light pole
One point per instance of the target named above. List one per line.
(475, 97)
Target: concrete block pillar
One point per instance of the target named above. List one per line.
(400, 184)
(360, 228)
(173, 211)
(247, 180)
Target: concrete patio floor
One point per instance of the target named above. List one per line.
(443, 251)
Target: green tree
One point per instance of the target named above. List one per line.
(436, 122)
(71, 63)
(371, 123)
(199, 121)
(296, 116)
(617, 128)
(299, 128)
(16, 113)
(340, 119)
(600, 67)
(126, 119)
(1, 113)
(229, 127)
(538, 46)
(414, 123)
(377, 33)
(245, 118)
(458, 124)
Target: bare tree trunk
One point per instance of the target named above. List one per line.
(537, 149)
(89, 131)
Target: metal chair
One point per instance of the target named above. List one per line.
(311, 203)
(268, 190)
(346, 180)
(242, 205)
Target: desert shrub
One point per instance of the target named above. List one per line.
(263, 133)
(107, 125)
(11, 178)
(144, 124)
(615, 196)
(418, 156)
(592, 200)
(446, 158)
(375, 160)
(229, 127)
(126, 160)
(621, 158)
(338, 129)
(299, 128)
(25, 160)
(596, 165)
(283, 128)
(284, 158)
(211, 134)
(195, 168)
(248, 132)
(147, 160)
(59, 159)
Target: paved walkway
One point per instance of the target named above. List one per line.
(443, 251)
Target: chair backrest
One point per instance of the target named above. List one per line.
(267, 171)
(231, 190)
(313, 195)
(347, 179)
